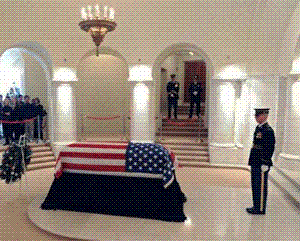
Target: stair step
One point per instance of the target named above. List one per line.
(34, 144)
(289, 188)
(182, 133)
(42, 154)
(40, 148)
(182, 124)
(193, 164)
(184, 142)
(192, 158)
(190, 153)
(37, 166)
(182, 118)
(42, 159)
(195, 147)
(183, 128)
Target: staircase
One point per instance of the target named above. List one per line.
(187, 138)
(42, 156)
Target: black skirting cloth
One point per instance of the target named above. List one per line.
(116, 195)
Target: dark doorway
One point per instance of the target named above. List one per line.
(192, 68)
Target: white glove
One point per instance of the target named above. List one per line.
(264, 168)
(195, 92)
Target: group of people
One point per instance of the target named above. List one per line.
(195, 91)
(21, 116)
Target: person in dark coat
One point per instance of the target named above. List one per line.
(29, 113)
(260, 161)
(17, 115)
(1, 115)
(195, 93)
(173, 96)
(7, 128)
(22, 114)
(38, 122)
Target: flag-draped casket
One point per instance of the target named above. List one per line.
(129, 179)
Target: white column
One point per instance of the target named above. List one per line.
(223, 119)
(142, 104)
(289, 158)
(224, 94)
(142, 115)
(64, 116)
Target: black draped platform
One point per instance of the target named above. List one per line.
(116, 195)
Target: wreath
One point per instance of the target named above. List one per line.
(13, 166)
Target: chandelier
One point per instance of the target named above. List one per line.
(98, 26)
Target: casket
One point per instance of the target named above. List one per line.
(128, 179)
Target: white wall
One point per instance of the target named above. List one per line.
(101, 91)
(146, 28)
(36, 82)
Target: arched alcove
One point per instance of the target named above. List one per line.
(12, 73)
(37, 71)
(101, 91)
(173, 49)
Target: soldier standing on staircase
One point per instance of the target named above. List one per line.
(173, 96)
(195, 93)
(260, 161)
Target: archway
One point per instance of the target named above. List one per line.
(34, 71)
(181, 48)
(101, 91)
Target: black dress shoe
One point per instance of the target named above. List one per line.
(254, 211)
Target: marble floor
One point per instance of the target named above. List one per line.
(216, 204)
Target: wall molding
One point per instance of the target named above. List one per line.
(289, 156)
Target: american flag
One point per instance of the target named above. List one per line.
(150, 158)
(120, 159)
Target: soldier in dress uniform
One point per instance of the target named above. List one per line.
(195, 93)
(173, 95)
(260, 161)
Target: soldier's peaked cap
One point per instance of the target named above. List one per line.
(261, 111)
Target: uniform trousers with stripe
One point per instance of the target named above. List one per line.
(256, 176)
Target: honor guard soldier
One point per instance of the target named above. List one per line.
(260, 161)
(173, 95)
(195, 93)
